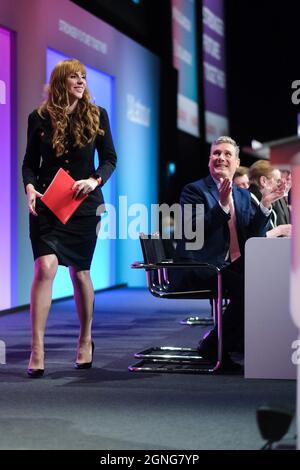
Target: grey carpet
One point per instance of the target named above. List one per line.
(109, 408)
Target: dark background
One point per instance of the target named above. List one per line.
(262, 39)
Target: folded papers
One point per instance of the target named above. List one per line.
(59, 196)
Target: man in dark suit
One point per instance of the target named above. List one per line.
(282, 211)
(229, 220)
(282, 206)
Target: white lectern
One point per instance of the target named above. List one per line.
(283, 152)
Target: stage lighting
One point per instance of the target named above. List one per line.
(171, 168)
(255, 144)
(273, 424)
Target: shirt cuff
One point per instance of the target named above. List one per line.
(225, 209)
(265, 210)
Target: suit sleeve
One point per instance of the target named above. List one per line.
(32, 158)
(214, 217)
(259, 222)
(106, 150)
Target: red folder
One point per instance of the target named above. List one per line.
(59, 196)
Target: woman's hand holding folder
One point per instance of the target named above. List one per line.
(59, 196)
(84, 187)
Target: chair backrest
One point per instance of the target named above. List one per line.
(155, 249)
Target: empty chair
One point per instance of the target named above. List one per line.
(157, 266)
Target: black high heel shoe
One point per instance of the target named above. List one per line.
(35, 373)
(85, 365)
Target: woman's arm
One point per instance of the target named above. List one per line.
(32, 158)
(106, 150)
(31, 163)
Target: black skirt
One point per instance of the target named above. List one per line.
(73, 243)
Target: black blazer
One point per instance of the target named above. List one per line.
(40, 163)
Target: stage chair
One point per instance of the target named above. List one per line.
(168, 358)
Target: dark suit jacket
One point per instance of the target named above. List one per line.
(41, 164)
(282, 212)
(250, 221)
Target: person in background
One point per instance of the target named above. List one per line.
(286, 177)
(263, 178)
(241, 178)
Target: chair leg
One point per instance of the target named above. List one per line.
(219, 321)
(169, 352)
(170, 366)
(183, 360)
(195, 320)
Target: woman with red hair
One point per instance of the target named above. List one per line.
(64, 133)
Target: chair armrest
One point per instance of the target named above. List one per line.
(166, 264)
(181, 264)
(142, 265)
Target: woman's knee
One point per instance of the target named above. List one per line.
(46, 267)
(80, 277)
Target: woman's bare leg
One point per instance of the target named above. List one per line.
(45, 268)
(84, 299)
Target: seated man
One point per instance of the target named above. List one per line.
(262, 177)
(282, 206)
(286, 177)
(240, 177)
(229, 220)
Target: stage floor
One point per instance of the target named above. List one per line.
(108, 407)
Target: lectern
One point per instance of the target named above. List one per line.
(281, 153)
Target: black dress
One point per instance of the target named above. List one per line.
(74, 242)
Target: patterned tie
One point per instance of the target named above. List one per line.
(234, 249)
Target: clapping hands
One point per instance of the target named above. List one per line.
(270, 195)
(225, 191)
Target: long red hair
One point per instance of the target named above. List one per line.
(86, 116)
